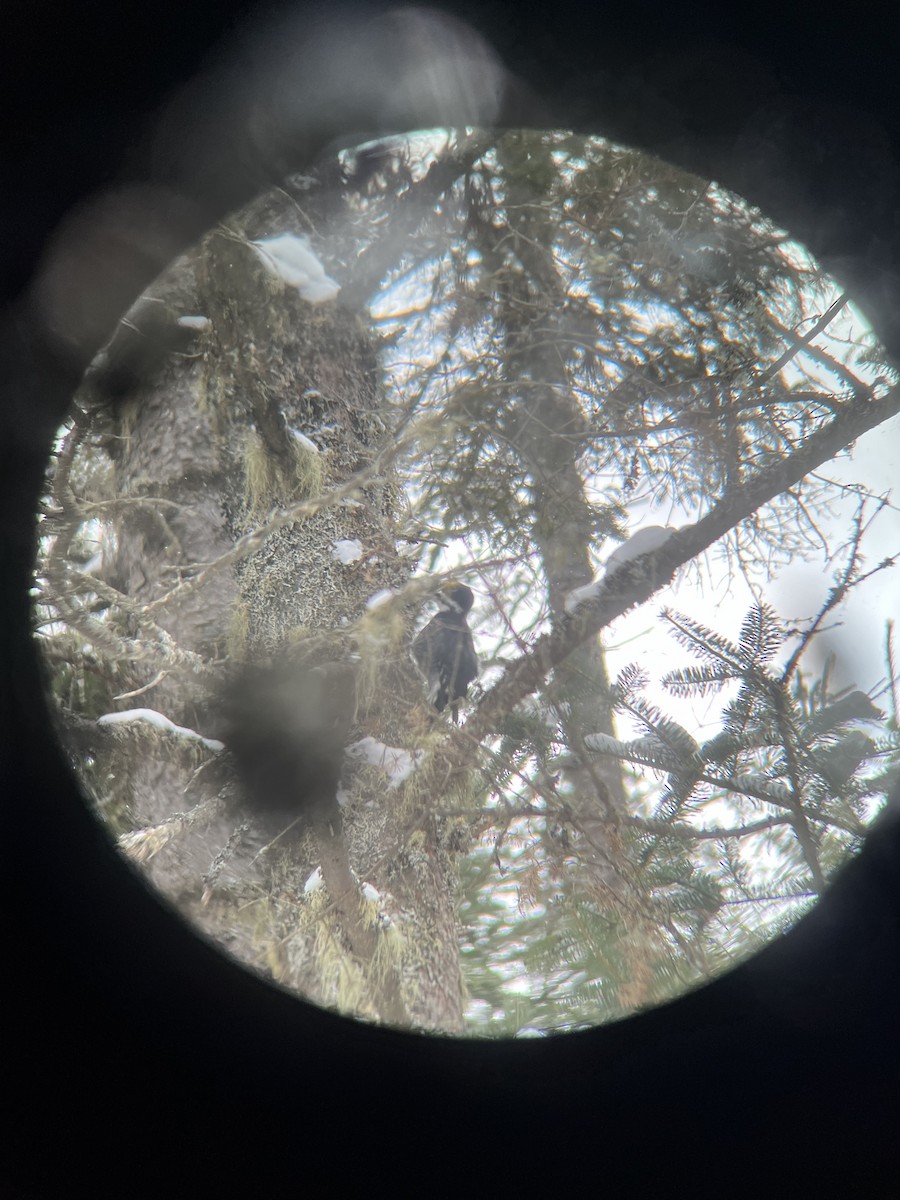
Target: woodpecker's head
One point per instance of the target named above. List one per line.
(455, 597)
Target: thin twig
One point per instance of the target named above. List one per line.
(801, 343)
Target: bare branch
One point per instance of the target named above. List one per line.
(143, 844)
(801, 343)
(689, 833)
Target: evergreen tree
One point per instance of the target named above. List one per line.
(537, 337)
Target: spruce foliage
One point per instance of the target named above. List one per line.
(542, 342)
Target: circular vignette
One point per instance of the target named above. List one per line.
(38, 380)
(536, 346)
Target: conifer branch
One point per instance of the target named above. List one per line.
(638, 580)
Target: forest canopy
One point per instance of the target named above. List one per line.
(629, 414)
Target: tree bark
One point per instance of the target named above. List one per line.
(279, 400)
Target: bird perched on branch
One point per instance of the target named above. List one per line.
(444, 650)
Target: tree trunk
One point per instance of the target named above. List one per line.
(277, 403)
(548, 428)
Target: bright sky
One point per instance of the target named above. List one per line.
(855, 633)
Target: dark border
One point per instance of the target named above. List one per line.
(136, 1059)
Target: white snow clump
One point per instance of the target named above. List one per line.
(581, 595)
(314, 882)
(305, 442)
(347, 550)
(647, 538)
(399, 764)
(290, 258)
(152, 717)
(379, 598)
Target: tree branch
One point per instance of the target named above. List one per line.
(801, 343)
(638, 580)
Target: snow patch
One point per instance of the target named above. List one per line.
(314, 883)
(604, 744)
(581, 595)
(152, 717)
(305, 442)
(645, 540)
(399, 764)
(648, 750)
(347, 550)
(290, 258)
(380, 598)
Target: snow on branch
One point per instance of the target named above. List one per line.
(649, 751)
(314, 882)
(347, 550)
(380, 598)
(151, 717)
(399, 764)
(290, 258)
(583, 595)
(631, 585)
(307, 443)
(643, 541)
